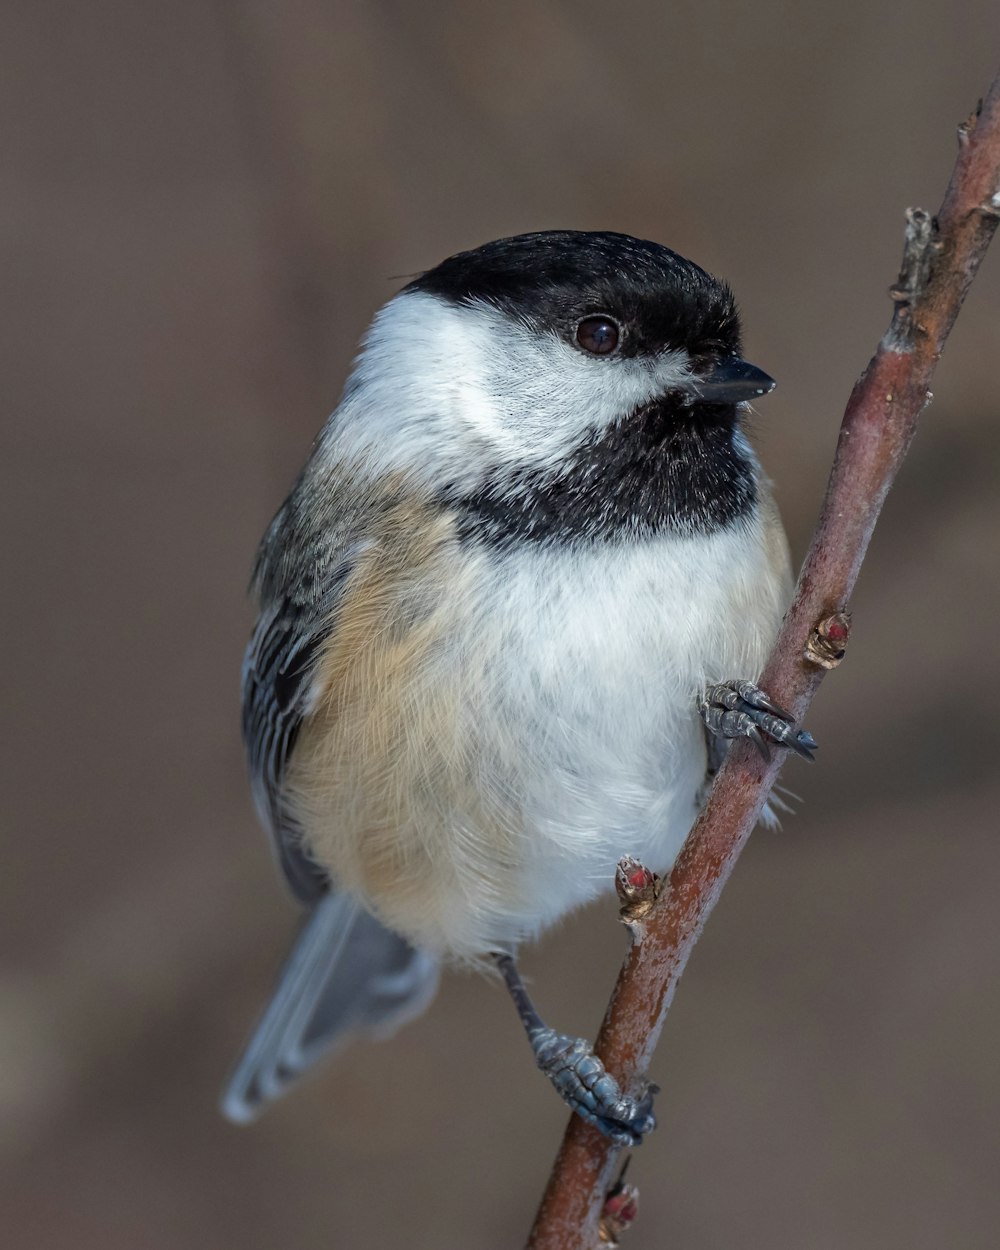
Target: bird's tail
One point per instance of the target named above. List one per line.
(347, 974)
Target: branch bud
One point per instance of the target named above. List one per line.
(828, 640)
(637, 887)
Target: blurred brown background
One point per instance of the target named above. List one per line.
(201, 206)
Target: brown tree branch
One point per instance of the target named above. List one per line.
(940, 259)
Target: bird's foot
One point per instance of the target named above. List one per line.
(739, 709)
(580, 1078)
(593, 1093)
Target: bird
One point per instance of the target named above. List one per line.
(510, 617)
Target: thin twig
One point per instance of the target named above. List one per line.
(941, 256)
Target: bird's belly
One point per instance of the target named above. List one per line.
(479, 781)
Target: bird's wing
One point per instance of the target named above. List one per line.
(277, 692)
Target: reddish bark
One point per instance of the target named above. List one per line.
(941, 256)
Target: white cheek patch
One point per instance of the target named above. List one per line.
(445, 391)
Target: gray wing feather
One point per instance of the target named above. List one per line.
(304, 561)
(277, 679)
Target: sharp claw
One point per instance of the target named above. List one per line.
(758, 698)
(802, 744)
(767, 704)
(757, 738)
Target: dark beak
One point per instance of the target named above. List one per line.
(732, 382)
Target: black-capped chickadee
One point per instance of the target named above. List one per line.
(529, 547)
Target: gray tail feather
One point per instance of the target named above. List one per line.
(347, 974)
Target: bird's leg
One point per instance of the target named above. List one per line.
(578, 1075)
(739, 709)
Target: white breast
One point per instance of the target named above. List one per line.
(590, 703)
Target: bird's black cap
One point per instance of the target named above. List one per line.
(554, 278)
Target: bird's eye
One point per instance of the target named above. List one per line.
(597, 335)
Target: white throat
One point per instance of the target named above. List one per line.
(445, 391)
